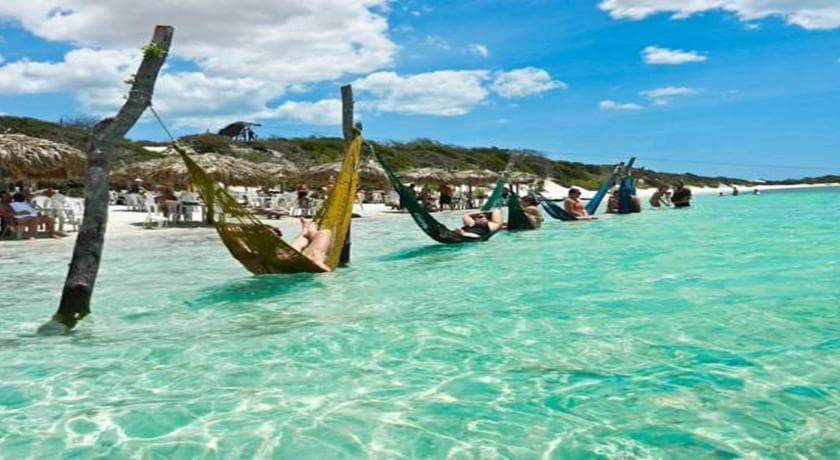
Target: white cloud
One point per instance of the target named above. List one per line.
(808, 14)
(474, 48)
(81, 69)
(524, 82)
(446, 93)
(250, 54)
(608, 104)
(323, 112)
(436, 42)
(663, 96)
(657, 55)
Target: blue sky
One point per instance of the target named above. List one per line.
(746, 88)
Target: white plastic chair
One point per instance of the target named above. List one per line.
(152, 216)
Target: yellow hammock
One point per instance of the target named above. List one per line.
(255, 245)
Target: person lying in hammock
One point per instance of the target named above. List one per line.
(574, 206)
(314, 243)
(532, 210)
(479, 224)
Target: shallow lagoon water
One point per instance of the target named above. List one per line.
(712, 332)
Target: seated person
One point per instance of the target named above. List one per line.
(612, 203)
(480, 224)
(532, 210)
(682, 196)
(21, 211)
(660, 197)
(574, 206)
(314, 243)
(428, 201)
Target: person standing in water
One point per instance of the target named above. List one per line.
(682, 196)
(660, 197)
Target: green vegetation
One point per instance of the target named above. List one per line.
(401, 156)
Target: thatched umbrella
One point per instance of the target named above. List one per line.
(520, 177)
(277, 172)
(25, 157)
(472, 177)
(369, 173)
(173, 171)
(428, 175)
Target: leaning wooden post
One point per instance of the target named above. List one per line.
(349, 134)
(84, 266)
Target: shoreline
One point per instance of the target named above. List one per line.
(124, 224)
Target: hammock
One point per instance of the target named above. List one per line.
(255, 245)
(517, 218)
(593, 204)
(553, 209)
(625, 195)
(425, 221)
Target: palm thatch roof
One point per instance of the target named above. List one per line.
(277, 172)
(429, 176)
(472, 176)
(520, 177)
(369, 173)
(26, 157)
(172, 170)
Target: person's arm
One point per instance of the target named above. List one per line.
(495, 221)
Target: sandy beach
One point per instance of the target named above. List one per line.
(123, 223)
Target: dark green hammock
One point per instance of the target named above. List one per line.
(425, 221)
(517, 219)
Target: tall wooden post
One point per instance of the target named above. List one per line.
(84, 265)
(349, 135)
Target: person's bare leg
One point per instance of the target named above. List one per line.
(318, 248)
(302, 241)
(50, 224)
(299, 243)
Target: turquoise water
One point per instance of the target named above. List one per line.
(712, 332)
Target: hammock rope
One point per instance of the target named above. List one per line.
(424, 219)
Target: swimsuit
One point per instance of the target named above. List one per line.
(477, 229)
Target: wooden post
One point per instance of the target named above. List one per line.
(349, 135)
(87, 253)
(347, 114)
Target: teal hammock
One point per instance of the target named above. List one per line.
(517, 219)
(425, 221)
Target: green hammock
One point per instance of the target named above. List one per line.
(517, 218)
(425, 221)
